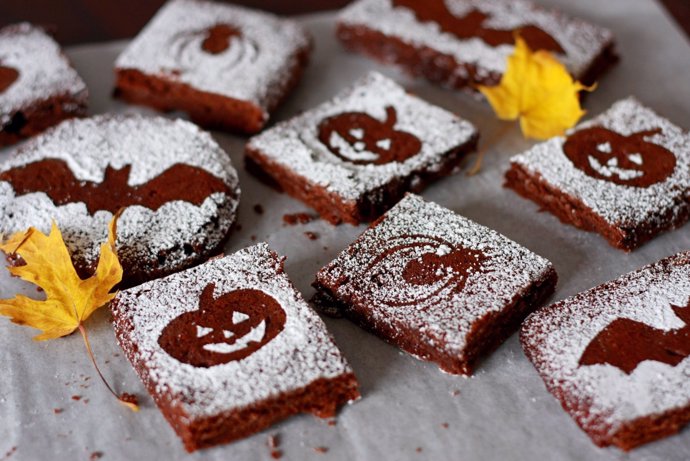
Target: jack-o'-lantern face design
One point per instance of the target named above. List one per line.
(361, 139)
(8, 75)
(224, 329)
(218, 38)
(625, 160)
(420, 267)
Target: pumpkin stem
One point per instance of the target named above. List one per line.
(127, 400)
(391, 116)
(645, 133)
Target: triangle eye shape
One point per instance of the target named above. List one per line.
(238, 317)
(202, 331)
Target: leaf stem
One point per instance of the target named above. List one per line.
(125, 399)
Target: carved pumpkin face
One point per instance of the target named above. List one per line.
(361, 139)
(421, 267)
(8, 76)
(230, 327)
(218, 38)
(625, 160)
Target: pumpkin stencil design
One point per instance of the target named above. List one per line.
(422, 267)
(359, 138)
(625, 160)
(8, 75)
(224, 329)
(472, 25)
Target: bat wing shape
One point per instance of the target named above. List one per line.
(55, 178)
(626, 343)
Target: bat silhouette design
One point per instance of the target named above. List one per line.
(625, 343)
(54, 178)
(472, 25)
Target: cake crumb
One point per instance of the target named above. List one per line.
(419, 449)
(311, 235)
(258, 209)
(96, 455)
(292, 219)
(273, 444)
(321, 450)
(332, 422)
(76, 397)
(57, 411)
(10, 452)
(444, 425)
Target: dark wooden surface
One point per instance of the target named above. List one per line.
(81, 21)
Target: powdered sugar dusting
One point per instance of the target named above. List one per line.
(295, 143)
(302, 353)
(442, 315)
(250, 69)
(44, 72)
(151, 145)
(581, 41)
(602, 396)
(619, 205)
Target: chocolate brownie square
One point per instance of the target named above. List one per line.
(624, 174)
(435, 284)
(38, 86)
(463, 43)
(616, 356)
(355, 156)
(228, 67)
(230, 347)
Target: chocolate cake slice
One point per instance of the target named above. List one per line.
(435, 284)
(355, 156)
(229, 348)
(616, 356)
(38, 86)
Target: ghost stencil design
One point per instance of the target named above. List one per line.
(626, 343)
(361, 139)
(624, 160)
(8, 75)
(224, 329)
(421, 267)
(473, 25)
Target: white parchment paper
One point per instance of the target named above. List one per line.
(502, 413)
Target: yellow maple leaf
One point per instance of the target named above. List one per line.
(69, 299)
(537, 89)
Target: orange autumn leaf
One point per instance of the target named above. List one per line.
(538, 90)
(69, 299)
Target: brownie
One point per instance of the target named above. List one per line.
(355, 156)
(38, 86)
(230, 347)
(435, 284)
(175, 190)
(228, 67)
(616, 356)
(624, 174)
(465, 43)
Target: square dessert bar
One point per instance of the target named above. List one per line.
(463, 43)
(616, 356)
(230, 347)
(355, 156)
(624, 174)
(38, 86)
(228, 67)
(435, 284)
